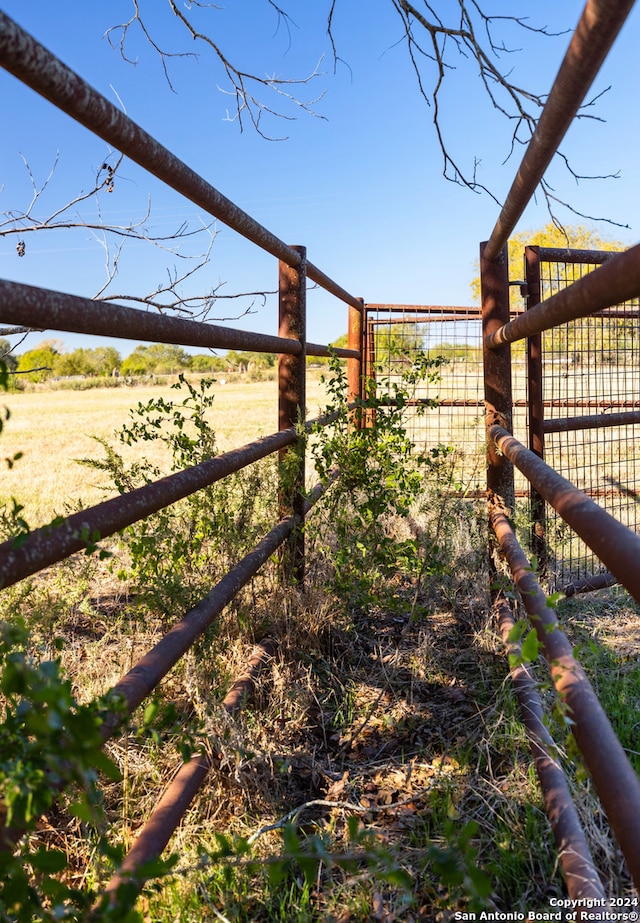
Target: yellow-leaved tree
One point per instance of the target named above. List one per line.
(575, 237)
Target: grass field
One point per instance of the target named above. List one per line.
(397, 712)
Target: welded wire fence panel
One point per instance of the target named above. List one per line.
(591, 375)
(445, 418)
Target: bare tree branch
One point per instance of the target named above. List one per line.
(439, 35)
(435, 44)
(65, 217)
(174, 295)
(241, 82)
(13, 331)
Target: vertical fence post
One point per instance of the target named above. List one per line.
(355, 340)
(292, 304)
(494, 282)
(536, 409)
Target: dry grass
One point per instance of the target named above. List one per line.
(403, 720)
(398, 713)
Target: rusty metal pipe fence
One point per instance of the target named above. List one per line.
(33, 307)
(601, 291)
(617, 280)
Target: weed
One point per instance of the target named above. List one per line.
(380, 478)
(176, 555)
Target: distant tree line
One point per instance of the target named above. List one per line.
(48, 360)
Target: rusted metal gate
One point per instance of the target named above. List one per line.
(616, 282)
(583, 412)
(447, 415)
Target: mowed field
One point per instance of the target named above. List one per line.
(54, 428)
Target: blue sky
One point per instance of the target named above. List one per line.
(360, 187)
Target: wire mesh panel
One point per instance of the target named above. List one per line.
(590, 408)
(445, 415)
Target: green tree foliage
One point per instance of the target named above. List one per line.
(381, 476)
(400, 338)
(48, 361)
(6, 356)
(39, 362)
(157, 359)
(204, 362)
(98, 362)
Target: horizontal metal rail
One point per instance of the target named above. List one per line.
(589, 584)
(38, 68)
(614, 282)
(51, 310)
(420, 319)
(616, 545)
(598, 421)
(614, 778)
(430, 308)
(566, 255)
(427, 402)
(595, 33)
(577, 864)
(313, 349)
(604, 403)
